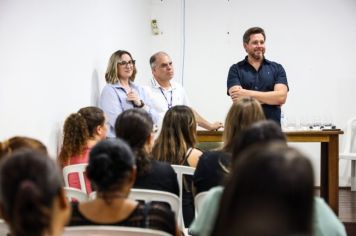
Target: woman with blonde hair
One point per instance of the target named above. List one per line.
(121, 93)
(82, 130)
(214, 165)
(176, 145)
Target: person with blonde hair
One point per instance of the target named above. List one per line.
(82, 130)
(121, 93)
(214, 165)
(176, 145)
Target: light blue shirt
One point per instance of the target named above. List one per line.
(325, 222)
(113, 101)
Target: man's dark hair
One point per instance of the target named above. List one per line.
(253, 30)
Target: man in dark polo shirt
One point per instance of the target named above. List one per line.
(258, 77)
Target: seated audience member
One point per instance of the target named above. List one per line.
(176, 145)
(325, 222)
(112, 170)
(31, 196)
(82, 130)
(10, 145)
(214, 165)
(136, 127)
(121, 93)
(269, 192)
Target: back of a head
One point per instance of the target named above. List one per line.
(135, 126)
(178, 133)
(270, 192)
(29, 183)
(258, 133)
(110, 164)
(241, 115)
(18, 142)
(78, 128)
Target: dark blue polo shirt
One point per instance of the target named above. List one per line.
(269, 74)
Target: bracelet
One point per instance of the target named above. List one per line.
(140, 106)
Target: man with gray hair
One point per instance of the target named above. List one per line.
(165, 93)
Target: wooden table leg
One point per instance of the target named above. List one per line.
(329, 180)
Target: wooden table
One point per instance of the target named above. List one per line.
(329, 158)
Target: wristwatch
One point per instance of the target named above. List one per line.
(140, 106)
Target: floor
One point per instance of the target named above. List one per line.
(347, 209)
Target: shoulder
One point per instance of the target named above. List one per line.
(213, 156)
(325, 220)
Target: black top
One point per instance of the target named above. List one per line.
(161, 177)
(268, 75)
(157, 217)
(211, 170)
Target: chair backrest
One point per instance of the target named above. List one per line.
(111, 230)
(198, 201)
(4, 228)
(80, 170)
(181, 171)
(75, 194)
(350, 138)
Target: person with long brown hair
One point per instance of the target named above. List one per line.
(81, 131)
(214, 165)
(176, 144)
(270, 192)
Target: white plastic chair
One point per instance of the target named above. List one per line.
(73, 193)
(80, 170)
(4, 228)
(111, 230)
(349, 151)
(181, 171)
(198, 201)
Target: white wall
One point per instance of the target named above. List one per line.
(53, 55)
(312, 39)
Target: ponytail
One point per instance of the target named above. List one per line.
(30, 215)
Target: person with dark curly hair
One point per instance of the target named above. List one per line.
(112, 170)
(82, 130)
(32, 200)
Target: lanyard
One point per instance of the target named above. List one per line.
(168, 103)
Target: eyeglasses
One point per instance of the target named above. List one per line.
(125, 63)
